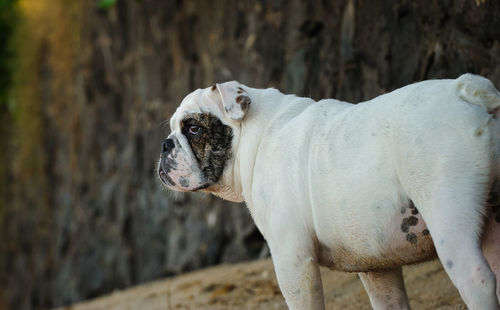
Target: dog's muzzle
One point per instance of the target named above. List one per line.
(167, 146)
(163, 168)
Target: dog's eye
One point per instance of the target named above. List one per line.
(193, 129)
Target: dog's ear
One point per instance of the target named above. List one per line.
(235, 100)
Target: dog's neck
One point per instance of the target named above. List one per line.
(269, 109)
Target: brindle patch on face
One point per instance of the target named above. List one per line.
(211, 144)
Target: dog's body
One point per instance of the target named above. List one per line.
(364, 188)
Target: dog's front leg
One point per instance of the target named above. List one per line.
(298, 276)
(386, 289)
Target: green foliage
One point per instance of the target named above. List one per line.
(105, 4)
(7, 4)
(8, 17)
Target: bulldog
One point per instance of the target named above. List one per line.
(366, 188)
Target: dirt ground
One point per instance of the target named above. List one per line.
(253, 285)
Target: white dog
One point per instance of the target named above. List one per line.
(361, 188)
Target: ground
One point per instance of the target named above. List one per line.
(253, 285)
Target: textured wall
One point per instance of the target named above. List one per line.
(84, 213)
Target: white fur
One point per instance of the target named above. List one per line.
(326, 181)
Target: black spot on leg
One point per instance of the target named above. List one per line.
(425, 232)
(412, 221)
(412, 207)
(412, 238)
(407, 222)
(449, 264)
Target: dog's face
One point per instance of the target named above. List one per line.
(198, 153)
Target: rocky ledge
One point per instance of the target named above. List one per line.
(253, 285)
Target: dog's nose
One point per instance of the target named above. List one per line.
(167, 146)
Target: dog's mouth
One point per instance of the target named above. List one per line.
(164, 178)
(166, 167)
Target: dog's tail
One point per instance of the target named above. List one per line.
(480, 91)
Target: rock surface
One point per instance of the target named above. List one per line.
(253, 286)
(81, 212)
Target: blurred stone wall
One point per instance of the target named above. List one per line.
(82, 212)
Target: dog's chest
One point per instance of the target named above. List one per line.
(383, 243)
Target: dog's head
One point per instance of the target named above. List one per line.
(199, 152)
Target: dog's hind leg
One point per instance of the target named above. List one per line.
(454, 215)
(491, 236)
(386, 289)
